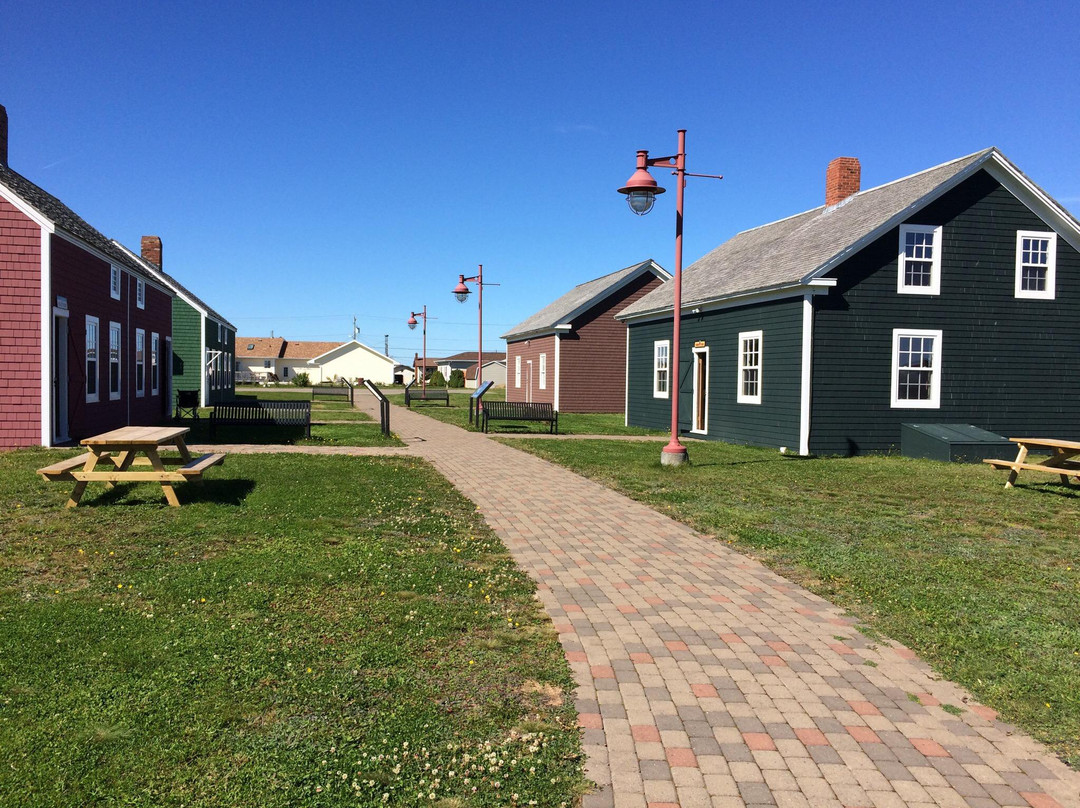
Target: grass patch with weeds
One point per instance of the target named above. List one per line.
(303, 631)
(983, 582)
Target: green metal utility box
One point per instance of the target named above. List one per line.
(953, 443)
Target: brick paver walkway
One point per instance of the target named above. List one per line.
(707, 680)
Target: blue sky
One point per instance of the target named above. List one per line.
(308, 163)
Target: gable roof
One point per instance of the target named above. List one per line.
(185, 294)
(65, 219)
(470, 356)
(581, 298)
(262, 347)
(796, 252)
(307, 350)
(345, 347)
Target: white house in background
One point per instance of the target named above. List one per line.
(278, 359)
(494, 371)
(463, 361)
(351, 360)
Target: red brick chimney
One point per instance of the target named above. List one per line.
(151, 250)
(3, 136)
(841, 180)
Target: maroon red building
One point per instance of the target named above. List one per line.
(85, 332)
(572, 353)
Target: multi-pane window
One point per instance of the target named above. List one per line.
(543, 371)
(517, 371)
(920, 260)
(266, 364)
(661, 368)
(91, 359)
(1036, 264)
(114, 361)
(916, 370)
(750, 349)
(140, 293)
(114, 282)
(154, 378)
(140, 362)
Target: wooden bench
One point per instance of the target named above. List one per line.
(1060, 461)
(331, 391)
(520, 411)
(431, 394)
(262, 413)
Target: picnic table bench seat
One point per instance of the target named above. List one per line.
(62, 468)
(520, 411)
(262, 413)
(198, 465)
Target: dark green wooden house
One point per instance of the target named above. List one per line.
(950, 296)
(203, 346)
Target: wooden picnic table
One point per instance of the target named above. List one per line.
(1060, 461)
(130, 446)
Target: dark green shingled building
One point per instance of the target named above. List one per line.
(950, 296)
(203, 347)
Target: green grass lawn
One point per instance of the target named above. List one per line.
(570, 423)
(303, 631)
(983, 582)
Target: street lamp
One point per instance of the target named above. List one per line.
(412, 325)
(462, 292)
(641, 191)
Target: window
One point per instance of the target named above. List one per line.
(114, 282)
(916, 369)
(920, 260)
(154, 346)
(517, 371)
(750, 380)
(251, 346)
(661, 368)
(140, 293)
(114, 361)
(285, 372)
(91, 359)
(1036, 264)
(266, 364)
(543, 371)
(140, 363)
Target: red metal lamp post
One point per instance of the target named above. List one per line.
(641, 191)
(462, 292)
(412, 324)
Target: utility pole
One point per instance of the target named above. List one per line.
(354, 330)
(386, 344)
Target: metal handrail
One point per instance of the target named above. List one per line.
(384, 406)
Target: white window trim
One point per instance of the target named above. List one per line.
(1051, 265)
(740, 396)
(543, 371)
(517, 371)
(935, 263)
(140, 293)
(932, 403)
(114, 282)
(118, 394)
(656, 391)
(694, 406)
(92, 398)
(140, 391)
(155, 369)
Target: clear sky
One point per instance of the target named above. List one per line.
(307, 163)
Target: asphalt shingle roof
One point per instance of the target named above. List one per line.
(263, 347)
(557, 312)
(66, 219)
(788, 251)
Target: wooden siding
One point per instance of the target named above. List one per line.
(83, 279)
(531, 349)
(1009, 366)
(592, 357)
(224, 391)
(20, 328)
(774, 422)
(186, 346)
